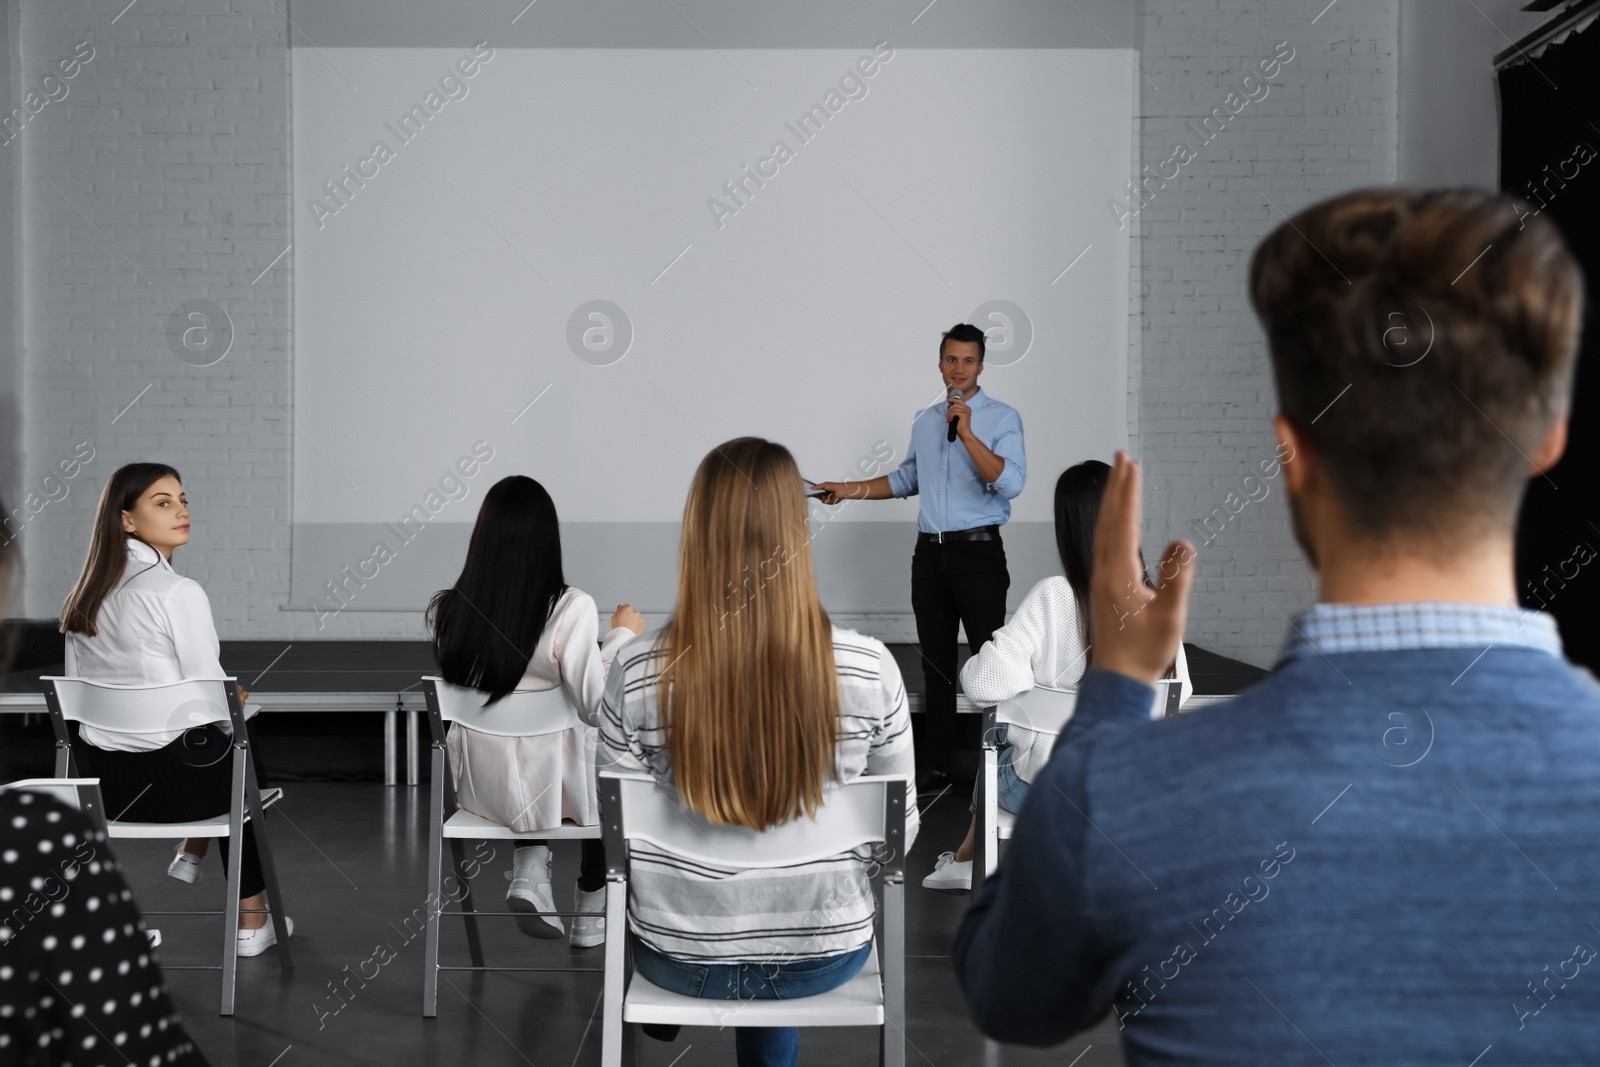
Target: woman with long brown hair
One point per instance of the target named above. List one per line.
(132, 620)
(92, 926)
(751, 701)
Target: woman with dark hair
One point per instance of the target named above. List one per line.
(510, 623)
(1047, 643)
(132, 620)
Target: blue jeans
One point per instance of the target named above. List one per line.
(1009, 790)
(757, 1046)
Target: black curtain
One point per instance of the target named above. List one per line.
(1550, 155)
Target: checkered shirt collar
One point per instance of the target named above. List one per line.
(1327, 629)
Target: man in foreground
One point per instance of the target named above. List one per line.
(1388, 851)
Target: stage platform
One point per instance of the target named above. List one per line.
(322, 697)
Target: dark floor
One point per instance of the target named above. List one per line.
(352, 858)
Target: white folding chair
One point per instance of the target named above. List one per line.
(185, 705)
(523, 713)
(868, 810)
(1042, 710)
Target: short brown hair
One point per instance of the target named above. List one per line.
(1424, 343)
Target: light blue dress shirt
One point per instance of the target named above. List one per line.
(954, 495)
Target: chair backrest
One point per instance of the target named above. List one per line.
(140, 709)
(522, 713)
(1041, 709)
(869, 810)
(80, 793)
(1169, 696)
(1045, 710)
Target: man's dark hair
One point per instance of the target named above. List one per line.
(1423, 343)
(963, 331)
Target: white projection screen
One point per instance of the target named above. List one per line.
(442, 299)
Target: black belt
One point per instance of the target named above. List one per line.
(977, 533)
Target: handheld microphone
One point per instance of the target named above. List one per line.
(950, 434)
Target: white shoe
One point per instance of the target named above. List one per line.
(530, 893)
(255, 942)
(153, 936)
(185, 866)
(589, 929)
(950, 875)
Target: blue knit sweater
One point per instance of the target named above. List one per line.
(1369, 858)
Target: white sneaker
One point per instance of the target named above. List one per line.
(589, 929)
(950, 875)
(185, 866)
(255, 942)
(530, 893)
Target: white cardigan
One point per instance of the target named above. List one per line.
(1043, 644)
(533, 783)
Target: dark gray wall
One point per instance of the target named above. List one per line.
(721, 23)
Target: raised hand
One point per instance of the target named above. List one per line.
(1137, 629)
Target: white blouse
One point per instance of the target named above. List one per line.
(533, 783)
(1043, 644)
(154, 628)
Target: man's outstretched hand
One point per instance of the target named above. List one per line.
(1137, 629)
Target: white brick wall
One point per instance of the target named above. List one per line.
(202, 209)
(174, 142)
(1205, 388)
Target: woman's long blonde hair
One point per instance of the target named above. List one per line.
(749, 694)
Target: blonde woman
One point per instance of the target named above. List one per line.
(750, 701)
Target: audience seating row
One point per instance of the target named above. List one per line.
(868, 811)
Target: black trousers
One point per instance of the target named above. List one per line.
(177, 784)
(957, 583)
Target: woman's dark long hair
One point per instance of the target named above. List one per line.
(108, 545)
(1078, 494)
(486, 626)
(1079, 491)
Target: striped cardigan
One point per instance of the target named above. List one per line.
(718, 914)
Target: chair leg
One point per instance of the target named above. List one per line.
(630, 1045)
(892, 967)
(985, 840)
(616, 1038)
(230, 921)
(474, 943)
(435, 894)
(277, 910)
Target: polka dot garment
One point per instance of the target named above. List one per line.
(79, 984)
